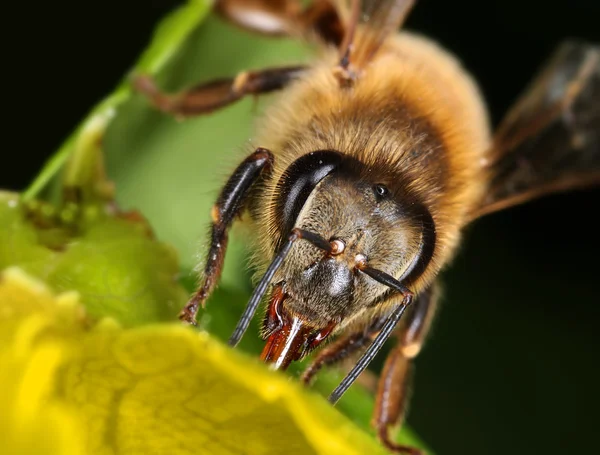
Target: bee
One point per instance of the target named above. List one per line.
(372, 162)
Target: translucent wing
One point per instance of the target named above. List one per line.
(550, 140)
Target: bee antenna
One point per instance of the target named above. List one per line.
(259, 291)
(383, 335)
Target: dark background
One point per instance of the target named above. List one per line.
(512, 365)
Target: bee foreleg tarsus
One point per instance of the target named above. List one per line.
(229, 204)
(394, 382)
(284, 17)
(210, 96)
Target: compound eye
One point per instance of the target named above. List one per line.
(381, 191)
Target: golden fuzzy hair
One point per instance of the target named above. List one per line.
(414, 111)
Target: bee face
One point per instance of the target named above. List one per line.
(317, 292)
(363, 222)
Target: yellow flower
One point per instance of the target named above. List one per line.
(69, 386)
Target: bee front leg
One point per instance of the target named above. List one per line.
(213, 95)
(394, 382)
(229, 204)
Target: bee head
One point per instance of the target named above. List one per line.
(364, 218)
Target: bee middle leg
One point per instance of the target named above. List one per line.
(208, 97)
(394, 382)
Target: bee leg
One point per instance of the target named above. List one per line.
(320, 18)
(394, 382)
(285, 17)
(210, 96)
(342, 349)
(228, 205)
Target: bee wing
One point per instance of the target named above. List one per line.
(550, 140)
(381, 18)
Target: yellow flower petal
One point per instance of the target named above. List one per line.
(159, 389)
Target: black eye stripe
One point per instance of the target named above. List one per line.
(299, 180)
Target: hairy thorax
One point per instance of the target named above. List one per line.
(417, 122)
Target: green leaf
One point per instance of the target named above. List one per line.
(168, 39)
(116, 265)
